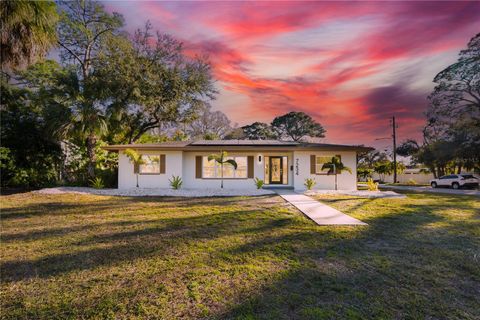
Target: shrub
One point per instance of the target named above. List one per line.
(259, 183)
(371, 185)
(176, 182)
(412, 182)
(97, 183)
(309, 183)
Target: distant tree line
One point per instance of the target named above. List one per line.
(294, 126)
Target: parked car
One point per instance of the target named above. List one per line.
(455, 181)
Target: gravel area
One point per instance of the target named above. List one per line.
(140, 192)
(358, 193)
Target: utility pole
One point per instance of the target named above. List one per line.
(394, 137)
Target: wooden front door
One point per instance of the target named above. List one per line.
(275, 170)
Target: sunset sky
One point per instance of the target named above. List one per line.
(349, 65)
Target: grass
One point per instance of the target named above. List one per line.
(80, 256)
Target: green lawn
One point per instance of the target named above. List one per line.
(79, 256)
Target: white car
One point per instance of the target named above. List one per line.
(455, 181)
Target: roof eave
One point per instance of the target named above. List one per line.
(116, 148)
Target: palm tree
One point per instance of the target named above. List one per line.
(87, 123)
(28, 31)
(135, 158)
(335, 166)
(221, 158)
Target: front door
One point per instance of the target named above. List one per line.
(276, 170)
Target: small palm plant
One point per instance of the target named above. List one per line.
(221, 158)
(135, 158)
(371, 185)
(259, 182)
(310, 183)
(176, 182)
(335, 167)
(97, 183)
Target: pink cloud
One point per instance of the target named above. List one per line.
(340, 86)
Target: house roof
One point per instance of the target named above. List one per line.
(243, 143)
(238, 145)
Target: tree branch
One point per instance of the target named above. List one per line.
(72, 53)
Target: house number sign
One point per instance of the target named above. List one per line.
(297, 170)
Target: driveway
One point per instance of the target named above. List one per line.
(469, 192)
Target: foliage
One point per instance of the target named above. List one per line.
(28, 31)
(259, 183)
(97, 183)
(84, 29)
(150, 82)
(151, 138)
(7, 165)
(383, 168)
(371, 185)
(135, 158)
(364, 172)
(259, 131)
(110, 87)
(31, 156)
(176, 182)
(386, 167)
(451, 137)
(310, 183)
(296, 126)
(208, 124)
(222, 159)
(412, 182)
(335, 166)
(236, 133)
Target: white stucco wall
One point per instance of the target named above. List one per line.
(190, 181)
(345, 181)
(127, 178)
(182, 164)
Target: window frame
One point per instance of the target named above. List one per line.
(150, 173)
(218, 166)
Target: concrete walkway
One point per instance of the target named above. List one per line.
(468, 192)
(322, 214)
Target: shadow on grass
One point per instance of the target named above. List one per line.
(53, 208)
(163, 236)
(387, 271)
(396, 267)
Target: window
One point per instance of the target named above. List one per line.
(212, 169)
(452, 176)
(151, 164)
(321, 160)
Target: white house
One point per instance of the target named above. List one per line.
(279, 163)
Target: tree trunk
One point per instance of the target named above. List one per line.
(459, 169)
(92, 157)
(221, 185)
(434, 171)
